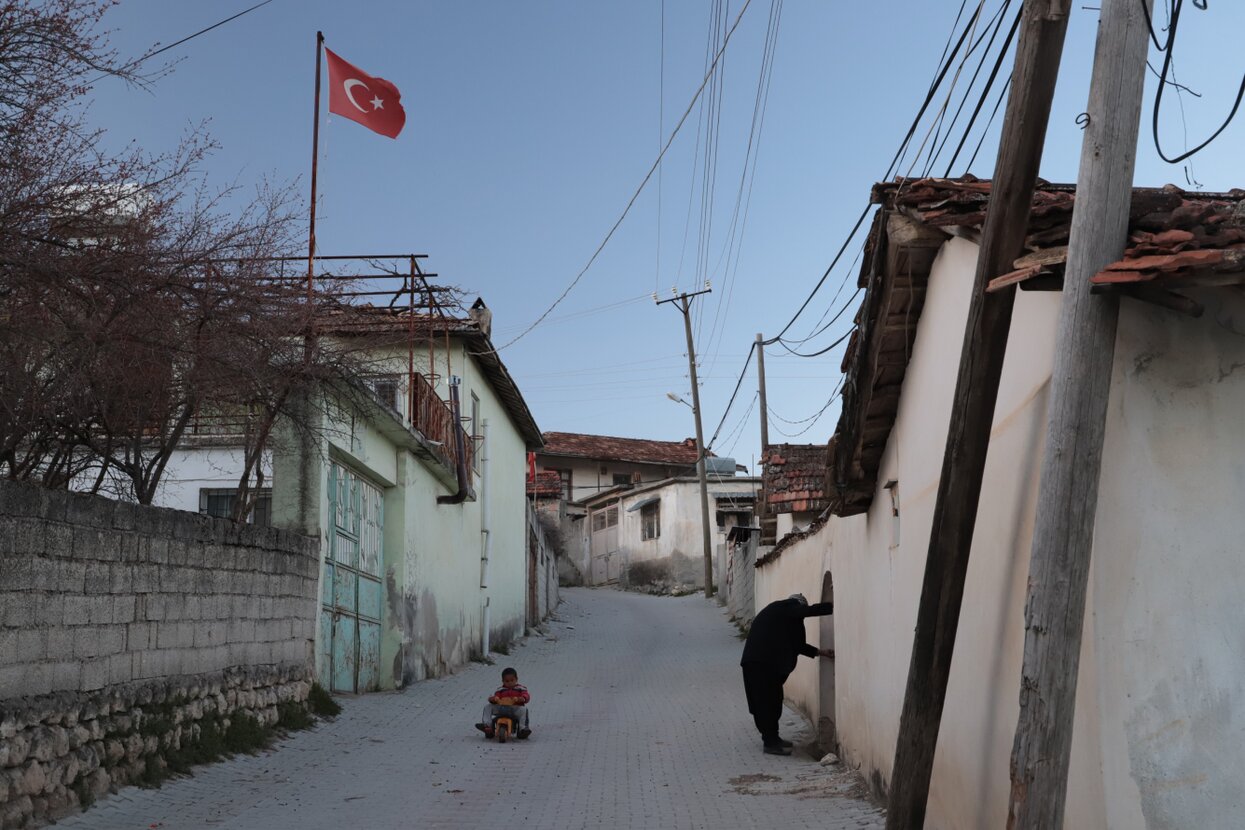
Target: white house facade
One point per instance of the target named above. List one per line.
(1160, 713)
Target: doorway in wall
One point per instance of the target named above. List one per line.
(825, 723)
(351, 604)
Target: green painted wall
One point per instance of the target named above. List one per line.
(434, 610)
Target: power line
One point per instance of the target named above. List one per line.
(636, 195)
(731, 402)
(176, 43)
(949, 59)
(1168, 49)
(812, 419)
(734, 241)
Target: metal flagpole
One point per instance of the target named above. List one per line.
(315, 158)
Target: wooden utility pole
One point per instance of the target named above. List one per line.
(981, 364)
(760, 347)
(762, 508)
(1080, 386)
(685, 305)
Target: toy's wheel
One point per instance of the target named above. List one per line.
(503, 732)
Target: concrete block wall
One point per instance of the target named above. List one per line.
(127, 630)
(742, 579)
(95, 593)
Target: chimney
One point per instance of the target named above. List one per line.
(480, 315)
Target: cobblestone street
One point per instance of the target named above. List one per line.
(638, 721)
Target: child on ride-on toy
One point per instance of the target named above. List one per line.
(510, 699)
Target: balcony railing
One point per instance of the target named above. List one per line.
(433, 417)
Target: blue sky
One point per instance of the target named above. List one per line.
(530, 125)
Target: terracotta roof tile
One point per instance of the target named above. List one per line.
(795, 477)
(1175, 239)
(1174, 236)
(548, 484)
(610, 448)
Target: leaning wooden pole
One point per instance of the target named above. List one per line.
(1080, 386)
(981, 365)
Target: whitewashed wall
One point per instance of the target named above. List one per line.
(1159, 737)
(1169, 621)
(193, 468)
(680, 518)
(878, 564)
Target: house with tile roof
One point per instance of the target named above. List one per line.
(590, 464)
(636, 534)
(794, 488)
(1160, 712)
(414, 485)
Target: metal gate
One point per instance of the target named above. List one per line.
(352, 598)
(604, 547)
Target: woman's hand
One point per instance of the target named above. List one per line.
(827, 652)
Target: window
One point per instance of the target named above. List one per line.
(387, 387)
(218, 503)
(565, 475)
(611, 517)
(622, 479)
(650, 521)
(743, 518)
(598, 522)
(476, 437)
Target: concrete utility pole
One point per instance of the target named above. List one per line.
(685, 305)
(1080, 386)
(1038, 52)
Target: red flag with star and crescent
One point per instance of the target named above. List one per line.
(373, 102)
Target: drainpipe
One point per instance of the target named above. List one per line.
(464, 484)
(485, 517)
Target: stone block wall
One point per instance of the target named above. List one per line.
(59, 752)
(106, 606)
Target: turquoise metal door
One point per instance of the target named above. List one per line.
(352, 599)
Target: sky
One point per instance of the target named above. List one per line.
(530, 126)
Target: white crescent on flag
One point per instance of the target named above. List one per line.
(349, 85)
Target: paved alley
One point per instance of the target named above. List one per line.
(638, 721)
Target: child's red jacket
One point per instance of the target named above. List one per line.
(516, 692)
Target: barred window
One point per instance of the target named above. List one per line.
(650, 521)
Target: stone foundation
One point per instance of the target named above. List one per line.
(60, 751)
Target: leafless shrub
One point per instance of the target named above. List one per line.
(135, 300)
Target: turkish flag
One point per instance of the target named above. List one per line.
(373, 102)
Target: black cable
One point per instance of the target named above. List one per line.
(929, 97)
(936, 147)
(151, 55)
(791, 344)
(945, 65)
(815, 417)
(820, 352)
(1163, 82)
(1002, 95)
(985, 92)
(627, 209)
(851, 235)
(731, 402)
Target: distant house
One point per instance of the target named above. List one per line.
(794, 485)
(590, 464)
(1159, 732)
(659, 524)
